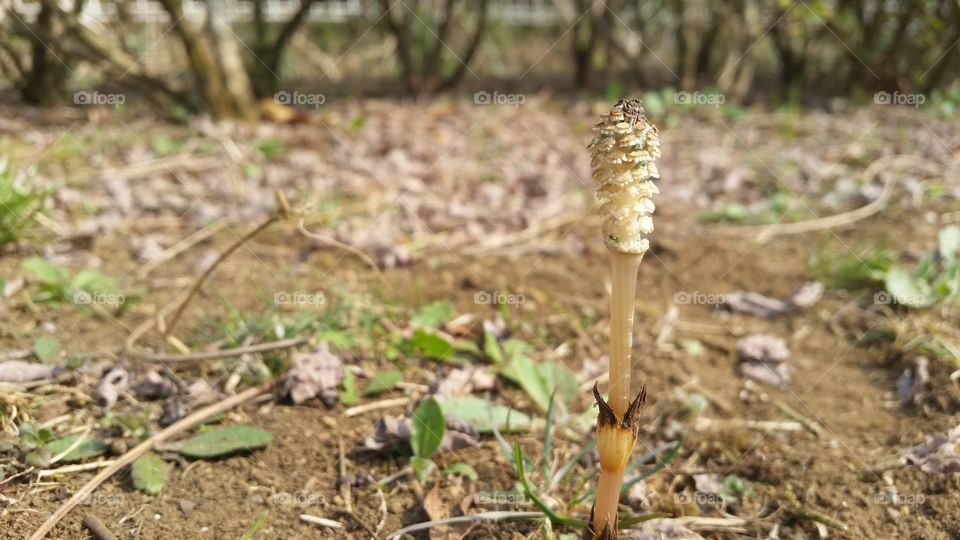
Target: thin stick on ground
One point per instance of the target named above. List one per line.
(183, 425)
(203, 277)
(97, 528)
(68, 469)
(323, 522)
(383, 511)
(181, 246)
(765, 232)
(346, 247)
(345, 490)
(819, 517)
(375, 406)
(223, 353)
(483, 516)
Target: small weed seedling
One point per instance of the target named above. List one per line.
(19, 204)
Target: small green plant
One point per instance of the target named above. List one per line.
(781, 207)
(20, 203)
(427, 428)
(87, 289)
(935, 278)
(858, 269)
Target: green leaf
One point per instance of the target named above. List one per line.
(462, 469)
(40, 457)
(949, 243)
(560, 380)
(427, 428)
(93, 281)
(432, 346)
(548, 439)
(270, 148)
(33, 437)
(88, 447)
(257, 525)
(627, 522)
(149, 473)
(46, 348)
(540, 381)
(693, 347)
(433, 315)
(528, 490)
(383, 381)
(423, 467)
(908, 290)
(474, 411)
(492, 348)
(224, 441)
(48, 274)
(348, 396)
(656, 468)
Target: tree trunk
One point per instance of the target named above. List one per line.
(48, 74)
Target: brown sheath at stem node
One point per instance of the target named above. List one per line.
(631, 418)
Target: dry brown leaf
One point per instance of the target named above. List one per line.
(155, 385)
(913, 384)
(463, 381)
(390, 431)
(764, 358)
(314, 374)
(939, 455)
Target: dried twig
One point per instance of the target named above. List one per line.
(812, 425)
(813, 515)
(483, 516)
(701, 523)
(203, 277)
(80, 467)
(79, 440)
(323, 522)
(346, 247)
(765, 232)
(344, 481)
(97, 528)
(376, 405)
(383, 511)
(181, 246)
(224, 353)
(183, 425)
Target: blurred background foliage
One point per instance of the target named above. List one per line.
(220, 56)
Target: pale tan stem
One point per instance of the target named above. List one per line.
(608, 496)
(624, 290)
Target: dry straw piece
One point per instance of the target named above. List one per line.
(623, 155)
